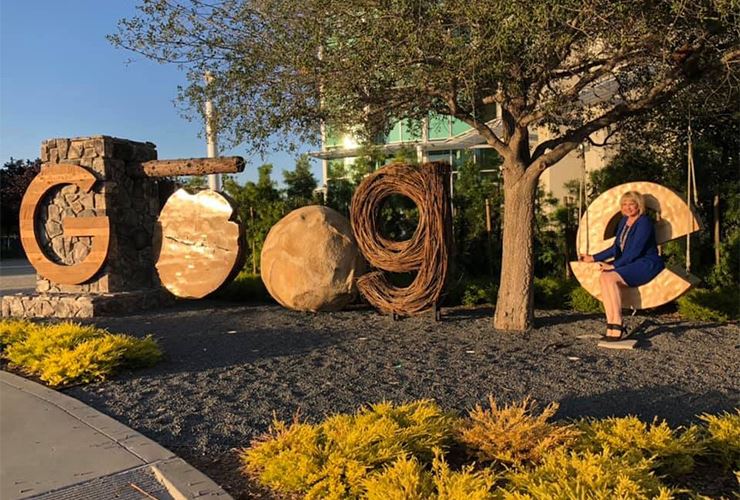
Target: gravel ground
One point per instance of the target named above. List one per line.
(229, 368)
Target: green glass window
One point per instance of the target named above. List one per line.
(439, 127)
(459, 127)
(395, 134)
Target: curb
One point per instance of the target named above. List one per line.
(182, 480)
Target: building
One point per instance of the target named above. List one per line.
(444, 138)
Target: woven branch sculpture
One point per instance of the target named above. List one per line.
(426, 252)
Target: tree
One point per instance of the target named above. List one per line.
(260, 206)
(574, 66)
(15, 176)
(300, 184)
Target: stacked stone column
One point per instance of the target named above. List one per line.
(132, 205)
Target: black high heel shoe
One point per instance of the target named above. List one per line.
(623, 333)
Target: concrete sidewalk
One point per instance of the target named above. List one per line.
(55, 447)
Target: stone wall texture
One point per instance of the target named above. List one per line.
(131, 204)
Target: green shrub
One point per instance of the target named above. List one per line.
(334, 458)
(246, 287)
(67, 353)
(722, 304)
(582, 301)
(566, 474)
(512, 434)
(552, 293)
(722, 438)
(671, 450)
(479, 292)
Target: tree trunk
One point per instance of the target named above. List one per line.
(514, 306)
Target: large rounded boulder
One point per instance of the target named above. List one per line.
(310, 260)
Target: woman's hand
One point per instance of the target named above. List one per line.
(606, 267)
(586, 258)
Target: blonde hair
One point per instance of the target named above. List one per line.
(636, 197)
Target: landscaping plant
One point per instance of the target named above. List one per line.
(512, 434)
(417, 451)
(69, 353)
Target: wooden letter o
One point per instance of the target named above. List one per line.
(97, 227)
(596, 233)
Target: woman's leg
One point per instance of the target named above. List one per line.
(612, 283)
(606, 295)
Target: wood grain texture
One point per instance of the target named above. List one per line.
(189, 166)
(198, 243)
(51, 176)
(596, 232)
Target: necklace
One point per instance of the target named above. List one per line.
(623, 236)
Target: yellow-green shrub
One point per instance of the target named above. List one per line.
(566, 474)
(672, 450)
(407, 479)
(465, 484)
(13, 331)
(334, 457)
(512, 434)
(404, 479)
(66, 353)
(722, 438)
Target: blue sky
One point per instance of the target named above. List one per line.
(60, 77)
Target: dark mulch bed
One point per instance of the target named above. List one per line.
(228, 369)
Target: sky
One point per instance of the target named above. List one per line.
(60, 77)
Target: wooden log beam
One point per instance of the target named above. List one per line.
(188, 166)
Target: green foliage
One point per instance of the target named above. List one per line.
(566, 474)
(671, 450)
(480, 291)
(552, 293)
(722, 438)
(67, 353)
(477, 252)
(15, 176)
(260, 206)
(300, 184)
(246, 287)
(332, 459)
(555, 234)
(582, 301)
(512, 434)
(710, 305)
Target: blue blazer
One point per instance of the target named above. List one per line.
(638, 262)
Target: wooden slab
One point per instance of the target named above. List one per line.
(199, 243)
(621, 344)
(51, 176)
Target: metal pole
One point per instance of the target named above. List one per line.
(214, 180)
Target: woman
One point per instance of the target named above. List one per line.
(636, 260)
